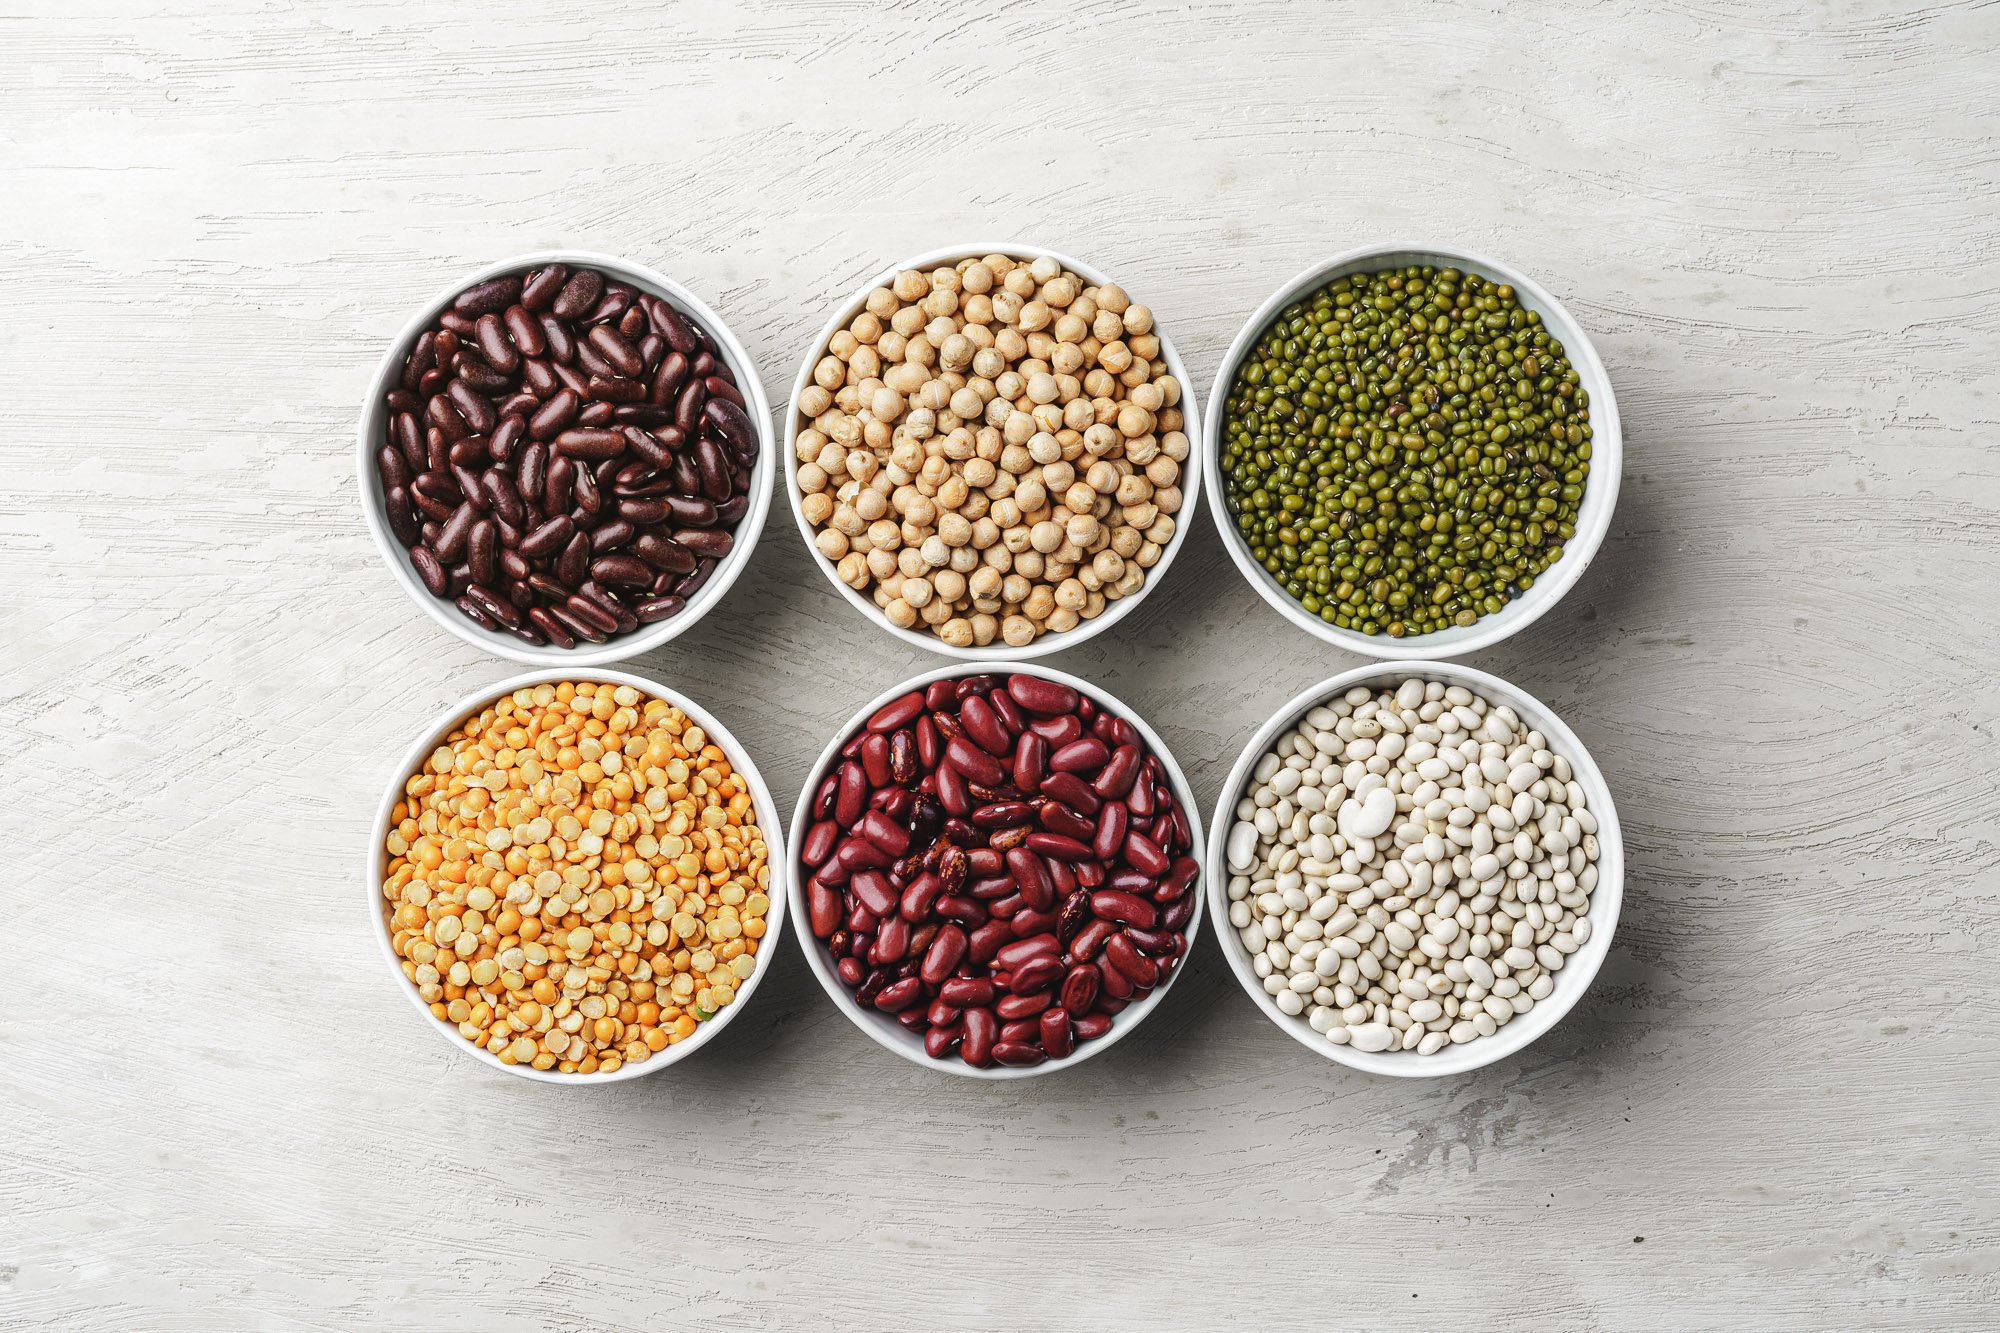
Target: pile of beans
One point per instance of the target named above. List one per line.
(566, 456)
(1404, 451)
(576, 878)
(993, 449)
(1001, 865)
(1410, 869)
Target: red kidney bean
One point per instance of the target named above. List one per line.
(1057, 1037)
(1035, 975)
(981, 1030)
(989, 861)
(1041, 697)
(1059, 818)
(530, 398)
(1086, 755)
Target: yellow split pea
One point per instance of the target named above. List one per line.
(576, 878)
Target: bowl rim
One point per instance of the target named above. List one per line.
(439, 727)
(374, 414)
(1191, 476)
(882, 1029)
(1600, 491)
(1606, 900)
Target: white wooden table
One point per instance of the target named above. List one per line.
(1776, 1109)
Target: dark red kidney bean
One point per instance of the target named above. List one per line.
(662, 554)
(715, 479)
(1090, 874)
(1086, 755)
(690, 584)
(668, 379)
(469, 487)
(494, 344)
(552, 629)
(573, 564)
(593, 443)
(642, 511)
(578, 295)
(705, 541)
(967, 992)
(621, 571)
(1031, 755)
(487, 297)
(410, 441)
(1002, 814)
(617, 299)
(1043, 698)
(884, 832)
(951, 791)
(655, 609)
(981, 1030)
(613, 535)
(443, 417)
(1057, 1039)
(539, 291)
(941, 1014)
(850, 971)
(555, 415)
(720, 386)
(729, 421)
(1179, 912)
(506, 438)
(615, 389)
(1156, 941)
(983, 725)
(853, 795)
(670, 324)
(1017, 952)
(395, 469)
(547, 538)
(622, 356)
(423, 356)
(561, 350)
(430, 569)
(539, 378)
(402, 521)
(968, 912)
(583, 609)
(474, 612)
(474, 407)
(1110, 835)
(524, 331)
(940, 694)
(481, 548)
(874, 755)
(1010, 1007)
(1021, 1031)
(1035, 975)
(451, 540)
(691, 511)
(494, 605)
(929, 747)
(432, 500)
(1031, 878)
(688, 405)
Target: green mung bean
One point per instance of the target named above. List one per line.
(1406, 450)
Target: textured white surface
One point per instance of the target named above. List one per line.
(1779, 222)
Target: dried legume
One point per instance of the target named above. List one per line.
(576, 878)
(1000, 864)
(1409, 869)
(992, 449)
(1405, 451)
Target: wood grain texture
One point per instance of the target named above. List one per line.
(1778, 220)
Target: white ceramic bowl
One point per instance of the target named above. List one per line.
(767, 818)
(1600, 492)
(374, 427)
(883, 1028)
(1570, 983)
(1191, 475)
